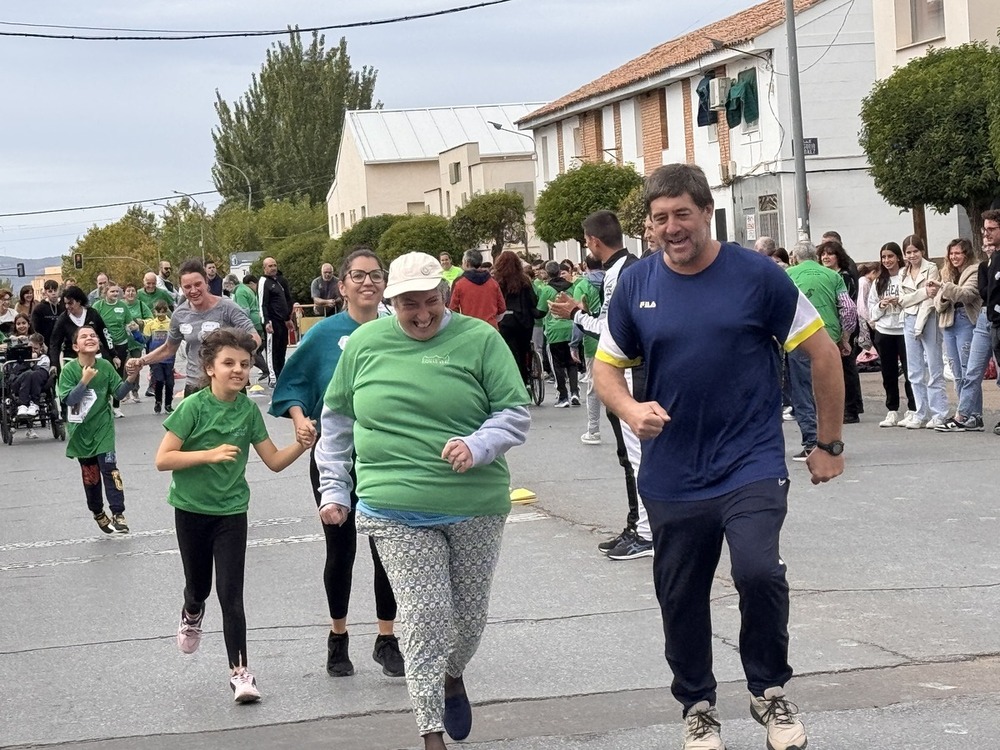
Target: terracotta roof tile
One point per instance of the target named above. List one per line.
(737, 28)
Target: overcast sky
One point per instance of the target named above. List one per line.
(90, 123)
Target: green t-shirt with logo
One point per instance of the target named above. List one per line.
(95, 434)
(203, 422)
(408, 398)
(115, 317)
(557, 330)
(150, 297)
(821, 286)
(584, 289)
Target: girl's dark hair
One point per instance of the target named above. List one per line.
(948, 271)
(882, 282)
(918, 243)
(835, 248)
(24, 291)
(509, 273)
(781, 254)
(219, 339)
(76, 294)
(359, 252)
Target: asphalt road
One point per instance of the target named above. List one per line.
(894, 572)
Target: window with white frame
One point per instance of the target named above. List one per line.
(918, 21)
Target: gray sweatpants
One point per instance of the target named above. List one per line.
(441, 576)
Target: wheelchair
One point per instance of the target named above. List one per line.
(49, 416)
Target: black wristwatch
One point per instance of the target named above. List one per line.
(834, 447)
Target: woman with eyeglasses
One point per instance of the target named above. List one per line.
(77, 314)
(298, 394)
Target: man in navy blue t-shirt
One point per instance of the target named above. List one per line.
(708, 320)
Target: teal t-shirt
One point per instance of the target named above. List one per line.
(408, 398)
(202, 422)
(557, 330)
(90, 425)
(821, 286)
(308, 372)
(115, 317)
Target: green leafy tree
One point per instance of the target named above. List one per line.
(369, 230)
(926, 131)
(495, 219)
(632, 213)
(425, 233)
(284, 132)
(573, 195)
(294, 233)
(125, 250)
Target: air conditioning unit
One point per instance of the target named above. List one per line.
(718, 92)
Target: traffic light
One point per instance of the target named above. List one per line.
(20, 270)
(78, 261)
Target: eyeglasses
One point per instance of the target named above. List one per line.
(358, 276)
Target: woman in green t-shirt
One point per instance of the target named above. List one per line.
(430, 401)
(210, 494)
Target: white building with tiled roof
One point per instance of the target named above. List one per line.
(673, 104)
(429, 161)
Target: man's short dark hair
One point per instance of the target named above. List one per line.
(992, 214)
(473, 258)
(675, 180)
(592, 263)
(604, 226)
(553, 269)
(50, 284)
(832, 235)
(249, 279)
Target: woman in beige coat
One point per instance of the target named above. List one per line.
(925, 360)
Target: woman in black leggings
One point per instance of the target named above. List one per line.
(298, 394)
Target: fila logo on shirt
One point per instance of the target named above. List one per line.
(647, 304)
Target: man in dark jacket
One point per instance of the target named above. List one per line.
(275, 314)
(475, 292)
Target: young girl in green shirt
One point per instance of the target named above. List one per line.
(208, 438)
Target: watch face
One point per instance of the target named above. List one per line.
(834, 448)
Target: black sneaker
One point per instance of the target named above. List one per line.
(996, 429)
(168, 408)
(104, 522)
(574, 400)
(803, 454)
(149, 393)
(338, 663)
(951, 425)
(387, 654)
(632, 548)
(851, 419)
(157, 407)
(610, 544)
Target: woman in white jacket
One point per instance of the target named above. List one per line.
(925, 359)
(886, 317)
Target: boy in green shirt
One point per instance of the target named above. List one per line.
(115, 314)
(85, 385)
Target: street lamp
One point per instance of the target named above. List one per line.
(249, 189)
(201, 244)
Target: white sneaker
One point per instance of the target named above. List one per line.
(22, 411)
(30, 434)
(591, 438)
(891, 420)
(32, 409)
(934, 422)
(244, 686)
(119, 414)
(701, 728)
(913, 423)
(786, 414)
(784, 729)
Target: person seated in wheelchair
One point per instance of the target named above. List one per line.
(29, 377)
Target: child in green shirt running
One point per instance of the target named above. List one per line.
(85, 386)
(206, 447)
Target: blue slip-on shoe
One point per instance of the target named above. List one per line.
(458, 716)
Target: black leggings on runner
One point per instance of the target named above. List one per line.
(203, 539)
(341, 550)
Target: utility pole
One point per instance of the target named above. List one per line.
(201, 223)
(798, 146)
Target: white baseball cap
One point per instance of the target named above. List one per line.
(413, 272)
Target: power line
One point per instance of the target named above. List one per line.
(100, 205)
(193, 36)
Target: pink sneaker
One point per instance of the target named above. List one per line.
(189, 633)
(244, 686)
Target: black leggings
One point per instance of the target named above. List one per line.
(341, 549)
(203, 539)
(892, 357)
(121, 352)
(519, 342)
